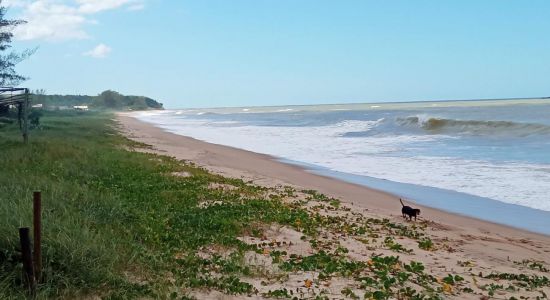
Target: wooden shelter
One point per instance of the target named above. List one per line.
(20, 98)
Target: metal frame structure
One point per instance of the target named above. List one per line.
(21, 98)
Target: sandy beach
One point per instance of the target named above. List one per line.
(491, 246)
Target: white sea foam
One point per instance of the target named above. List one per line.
(377, 156)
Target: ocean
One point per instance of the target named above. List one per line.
(488, 159)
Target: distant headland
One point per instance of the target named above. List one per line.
(107, 100)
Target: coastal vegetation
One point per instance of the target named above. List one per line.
(123, 222)
(107, 100)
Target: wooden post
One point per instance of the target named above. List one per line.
(37, 226)
(26, 117)
(19, 115)
(27, 258)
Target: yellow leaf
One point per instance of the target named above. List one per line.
(308, 283)
(447, 288)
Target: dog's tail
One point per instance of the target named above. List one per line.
(401, 202)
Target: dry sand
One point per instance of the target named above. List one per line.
(491, 246)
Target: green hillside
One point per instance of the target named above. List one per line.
(106, 100)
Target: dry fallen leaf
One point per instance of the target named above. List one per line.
(447, 288)
(308, 283)
(397, 267)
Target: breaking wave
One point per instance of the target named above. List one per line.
(473, 127)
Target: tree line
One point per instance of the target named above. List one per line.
(106, 100)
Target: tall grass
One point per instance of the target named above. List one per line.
(64, 160)
(114, 219)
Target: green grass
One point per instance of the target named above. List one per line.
(115, 222)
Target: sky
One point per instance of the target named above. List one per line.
(217, 53)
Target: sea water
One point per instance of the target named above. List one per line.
(461, 156)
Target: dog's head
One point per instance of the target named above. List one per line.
(417, 211)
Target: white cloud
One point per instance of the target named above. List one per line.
(62, 19)
(100, 51)
(94, 6)
(51, 21)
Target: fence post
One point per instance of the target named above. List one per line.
(37, 226)
(27, 259)
(20, 115)
(26, 117)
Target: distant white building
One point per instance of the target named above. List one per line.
(39, 105)
(80, 107)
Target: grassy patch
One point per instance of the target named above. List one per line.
(116, 224)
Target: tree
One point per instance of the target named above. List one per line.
(8, 59)
(39, 96)
(111, 99)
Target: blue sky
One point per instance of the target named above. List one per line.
(274, 52)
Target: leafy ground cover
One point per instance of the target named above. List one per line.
(122, 223)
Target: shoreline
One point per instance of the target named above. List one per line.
(448, 201)
(264, 169)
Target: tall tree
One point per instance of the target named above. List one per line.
(8, 59)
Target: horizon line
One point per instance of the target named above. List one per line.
(387, 102)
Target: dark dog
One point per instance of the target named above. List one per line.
(409, 211)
